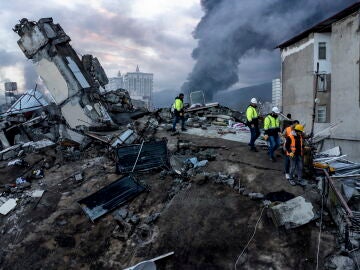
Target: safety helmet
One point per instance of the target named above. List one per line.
(253, 101)
(275, 110)
(299, 127)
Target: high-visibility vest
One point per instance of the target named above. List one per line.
(271, 122)
(178, 104)
(288, 131)
(293, 145)
(251, 113)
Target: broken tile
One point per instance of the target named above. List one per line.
(37, 193)
(6, 207)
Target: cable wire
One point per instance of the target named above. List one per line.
(319, 238)
(137, 158)
(248, 243)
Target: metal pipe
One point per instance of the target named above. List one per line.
(339, 196)
(345, 176)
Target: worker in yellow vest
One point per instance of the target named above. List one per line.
(252, 118)
(178, 107)
(294, 149)
(272, 132)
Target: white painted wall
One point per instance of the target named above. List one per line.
(345, 100)
(324, 64)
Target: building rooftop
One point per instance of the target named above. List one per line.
(323, 26)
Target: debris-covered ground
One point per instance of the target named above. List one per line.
(204, 218)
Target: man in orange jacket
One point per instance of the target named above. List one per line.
(286, 133)
(294, 149)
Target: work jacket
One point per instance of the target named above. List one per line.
(271, 125)
(178, 105)
(287, 131)
(294, 144)
(252, 116)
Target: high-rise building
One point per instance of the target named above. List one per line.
(139, 85)
(276, 93)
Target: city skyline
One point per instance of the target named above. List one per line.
(138, 84)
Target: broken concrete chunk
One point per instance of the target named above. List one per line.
(122, 213)
(37, 145)
(152, 218)
(6, 207)
(196, 163)
(342, 263)
(256, 196)
(37, 193)
(17, 162)
(230, 182)
(78, 176)
(293, 213)
(10, 152)
(135, 219)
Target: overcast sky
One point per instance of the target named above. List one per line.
(155, 34)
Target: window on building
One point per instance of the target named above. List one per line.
(321, 114)
(322, 82)
(322, 50)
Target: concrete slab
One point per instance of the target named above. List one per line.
(293, 213)
(7, 206)
(37, 193)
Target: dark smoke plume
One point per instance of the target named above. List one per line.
(232, 28)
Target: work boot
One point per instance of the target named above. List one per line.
(291, 181)
(301, 182)
(173, 130)
(273, 159)
(184, 129)
(253, 149)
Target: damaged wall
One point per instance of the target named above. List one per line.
(297, 80)
(73, 82)
(345, 97)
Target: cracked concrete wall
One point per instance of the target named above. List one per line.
(297, 80)
(73, 88)
(345, 96)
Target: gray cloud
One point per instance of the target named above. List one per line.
(230, 29)
(94, 31)
(30, 76)
(8, 58)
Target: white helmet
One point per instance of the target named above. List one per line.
(275, 110)
(253, 101)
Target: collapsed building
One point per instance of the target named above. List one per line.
(92, 181)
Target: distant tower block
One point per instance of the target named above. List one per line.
(10, 92)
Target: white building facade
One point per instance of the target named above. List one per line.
(139, 84)
(322, 63)
(276, 93)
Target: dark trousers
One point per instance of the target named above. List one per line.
(296, 164)
(177, 118)
(273, 144)
(255, 133)
(287, 164)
